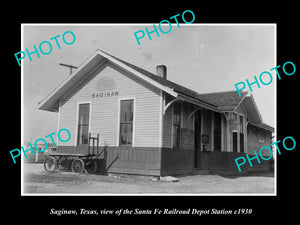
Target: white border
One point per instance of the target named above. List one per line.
(146, 24)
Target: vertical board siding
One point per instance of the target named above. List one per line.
(138, 160)
(176, 161)
(254, 137)
(104, 111)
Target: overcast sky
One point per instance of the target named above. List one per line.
(204, 58)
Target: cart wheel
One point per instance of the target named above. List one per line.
(91, 166)
(60, 161)
(50, 164)
(77, 166)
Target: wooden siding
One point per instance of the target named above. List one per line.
(125, 160)
(224, 163)
(133, 160)
(104, 111)
(176, 161)
(255, 136)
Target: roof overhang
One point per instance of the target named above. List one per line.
(263, 126)
(50, 103)
(198, 102)
(250, 106)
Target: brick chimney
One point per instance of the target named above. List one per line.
(161, 70)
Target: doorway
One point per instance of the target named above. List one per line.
(234, 141)
(217, 131)
(197, 128)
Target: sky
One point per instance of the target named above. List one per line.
(203, 57)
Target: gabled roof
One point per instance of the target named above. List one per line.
(51, 102)
(225, 101)
(229, 101)
(263, 126)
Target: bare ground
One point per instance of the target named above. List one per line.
(38, 181)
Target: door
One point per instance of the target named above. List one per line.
(234, 141)
(217, 131)
(197, 126)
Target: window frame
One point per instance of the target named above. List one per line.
(77, 119)
(119, 122)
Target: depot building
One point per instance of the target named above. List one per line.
(153, 126)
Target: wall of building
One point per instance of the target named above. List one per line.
(176, 161)
(224, 163)
(146, 156)
(258, 138)
(104, 110)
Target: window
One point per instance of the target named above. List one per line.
(126, 122)
(176, 124)
(83, 124)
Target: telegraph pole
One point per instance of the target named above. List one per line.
(70, 66)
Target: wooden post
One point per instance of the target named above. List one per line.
(97, 143)
(89, 143)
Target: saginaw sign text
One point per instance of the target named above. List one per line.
(105, 94)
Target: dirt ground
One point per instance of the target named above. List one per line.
(38, 181)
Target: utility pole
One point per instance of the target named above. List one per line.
(70, 66)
